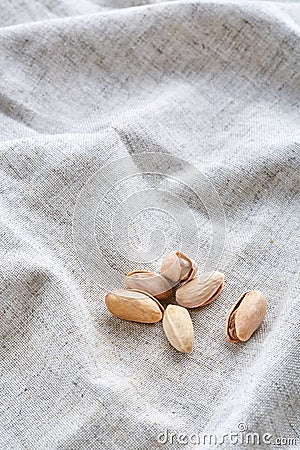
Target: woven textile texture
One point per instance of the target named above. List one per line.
(130, 128)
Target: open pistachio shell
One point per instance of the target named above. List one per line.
(171, 267)
(178, 267)
(188, 267)
(245, 316)
(200, 291)
(152, 283)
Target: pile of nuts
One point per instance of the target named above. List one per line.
(140, 301)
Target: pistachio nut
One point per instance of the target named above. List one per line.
(178, 327)
(200, 291)
(178, 267)
(153, 283)
(134, 306)
(245, 316)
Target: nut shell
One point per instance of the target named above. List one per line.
(150, 282)
(171, 267)
(178, 327)
(188, 267)
(201, 290)
(177, 267)
(133, 306)
(245, 316)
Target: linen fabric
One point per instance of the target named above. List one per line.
(145, 96)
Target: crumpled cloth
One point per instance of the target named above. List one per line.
(130, 128)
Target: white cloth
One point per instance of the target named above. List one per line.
(201, 99)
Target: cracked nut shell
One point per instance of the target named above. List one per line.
(150, 282)
(245, 316)
(200, 291)
(177, 267)
(134, 306)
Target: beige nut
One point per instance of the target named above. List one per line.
(178, 327)
(150, 282)
(134, 306)
(245, 316)
(200, 291)
(178, 267)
